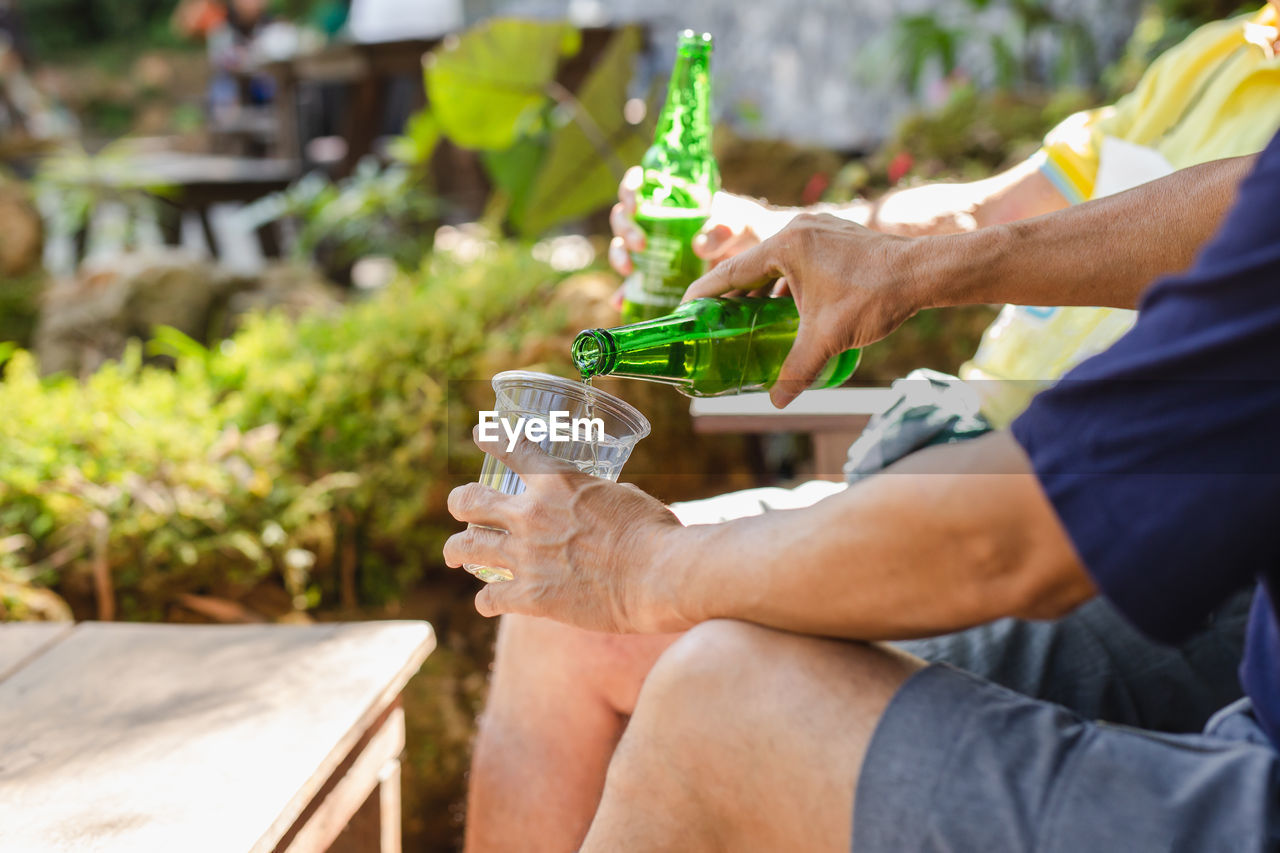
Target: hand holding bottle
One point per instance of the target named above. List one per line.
(736, 224)
(852, 287)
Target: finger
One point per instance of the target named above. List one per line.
(619, 295)
(619, 257)
(738, 243)
(478, 504)
(624, 226)
(524, 457)
(629, 188)
(478, 546)
(802, 364)
(747, 270)
(495, 599)
(711, 241)
(781, 287)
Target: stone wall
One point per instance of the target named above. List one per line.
(809, 71)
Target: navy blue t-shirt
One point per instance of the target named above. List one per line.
(1162, 454)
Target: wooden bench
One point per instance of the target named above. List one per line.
(231, 739)
(833, 418)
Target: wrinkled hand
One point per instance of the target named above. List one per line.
(583, 550)
(852, 287)
(736, 223)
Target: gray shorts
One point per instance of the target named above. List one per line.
(958, 763)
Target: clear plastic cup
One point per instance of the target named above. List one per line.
(534, 396)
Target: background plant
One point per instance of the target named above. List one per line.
(551, 154)
(384, 211)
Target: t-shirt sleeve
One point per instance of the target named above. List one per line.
(1161, 455)
(1071, 151)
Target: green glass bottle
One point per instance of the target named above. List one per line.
(680, 177)
(706, 348)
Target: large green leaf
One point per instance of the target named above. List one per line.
(487, 85)
(588, 154)
(512, 171)
(418, 142)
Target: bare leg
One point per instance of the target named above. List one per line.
(745, 738)
(557, 705)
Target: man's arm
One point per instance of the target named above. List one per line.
(854, 286)
(737, 223)
(935, 209)
(949, 538)
(1102, 252)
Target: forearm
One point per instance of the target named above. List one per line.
(942, 208)
(1103, 252)
(947, 539)
(926, 210)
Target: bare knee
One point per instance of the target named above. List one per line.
(724, 677)
(710, 657)
(544, 656)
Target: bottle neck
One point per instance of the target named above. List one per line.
(685, 122)
(595, 353)
(637, 349)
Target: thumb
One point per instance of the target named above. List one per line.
(807, 356)
(495, 599)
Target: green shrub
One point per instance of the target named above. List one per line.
(298, 451)
(368, 391)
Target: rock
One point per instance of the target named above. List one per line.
(296, 288)
(88, 318)
(21, 232)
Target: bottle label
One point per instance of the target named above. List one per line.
(667, 265)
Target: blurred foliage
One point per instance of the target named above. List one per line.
(552, 155)
(136, 473)
(61, 27)
(919, 41)
(963, 45)
(1162, 25)
(972, 135)
(386, 212)
(299, 453)
(19, 307)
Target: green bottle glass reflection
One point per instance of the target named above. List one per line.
(706, 348)
(680, 177)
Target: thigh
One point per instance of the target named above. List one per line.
(1093, 662)
(746, 738)
(957, 764)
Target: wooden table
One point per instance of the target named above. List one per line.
(231, 739)
(367, 70)
(196, 182)
(199, 181)
(834, 418)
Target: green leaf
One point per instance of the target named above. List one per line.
(485, 86)
(587, 155)
(421, 135)
(513, 170)
(166, 340)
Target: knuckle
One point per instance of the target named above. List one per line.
(460, 500)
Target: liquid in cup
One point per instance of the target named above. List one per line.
(533, 396)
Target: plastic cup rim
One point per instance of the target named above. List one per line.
(616, 406)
